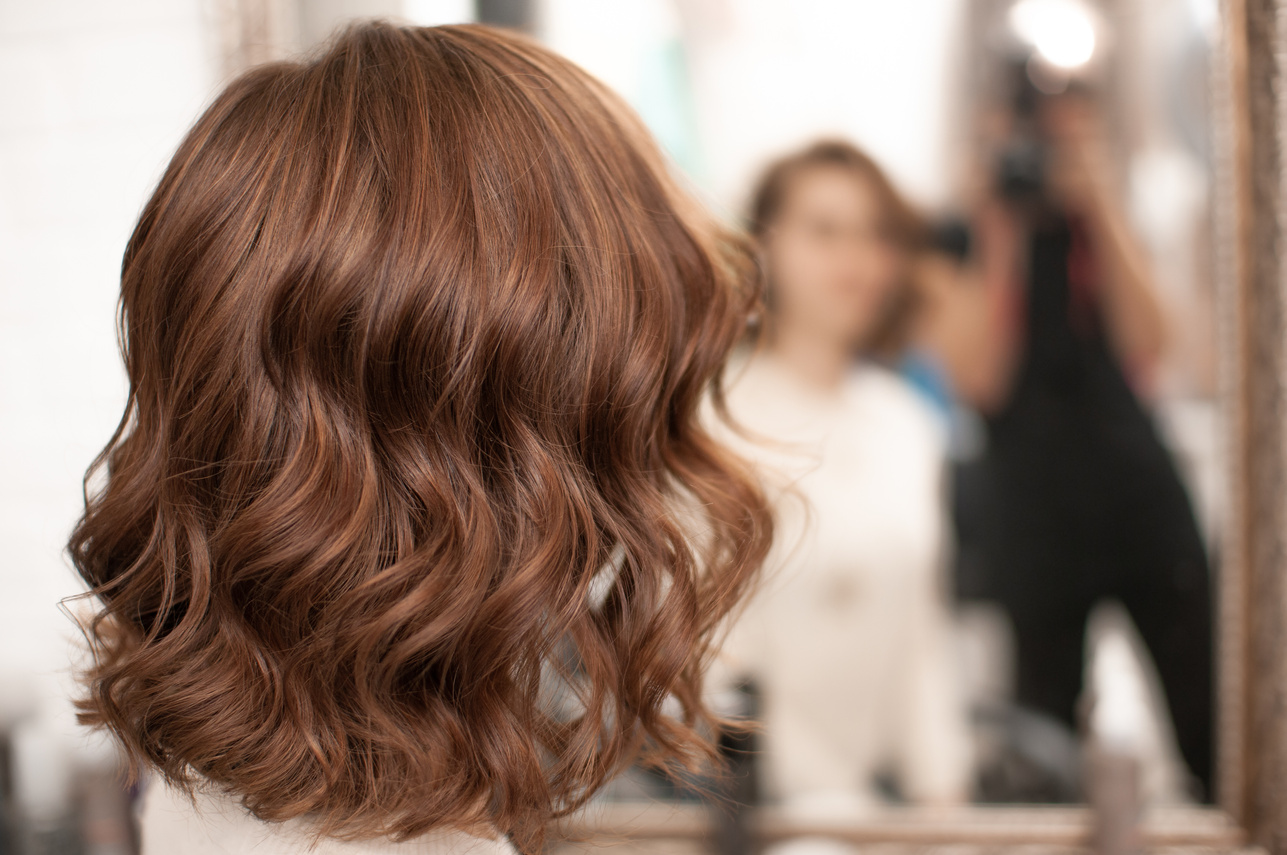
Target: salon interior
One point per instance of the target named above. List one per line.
(1003, 620)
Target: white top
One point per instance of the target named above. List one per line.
(848, 636)
(218, 825)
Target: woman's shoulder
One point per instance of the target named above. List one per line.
(763, 396)
(754, 374)
(212, 822)
(876, 392)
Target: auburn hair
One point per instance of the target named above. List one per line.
(903, 225)
(410, 521)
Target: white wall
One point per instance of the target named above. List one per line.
(94, 96)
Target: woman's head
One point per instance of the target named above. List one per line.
(416, 333)
(836, 236)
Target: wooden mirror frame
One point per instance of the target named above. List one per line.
(1252, 711)
(1249, 95)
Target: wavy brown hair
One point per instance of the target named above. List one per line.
(416, 333)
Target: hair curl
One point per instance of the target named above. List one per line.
(416, 333)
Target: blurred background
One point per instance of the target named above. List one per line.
(1033, 141)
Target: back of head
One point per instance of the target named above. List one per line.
(416, 333)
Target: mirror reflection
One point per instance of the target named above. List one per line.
(981, 394)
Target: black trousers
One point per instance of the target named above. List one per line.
(1048, 562)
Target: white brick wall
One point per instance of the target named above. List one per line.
(94, 97)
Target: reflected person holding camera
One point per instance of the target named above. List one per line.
(1076, 499)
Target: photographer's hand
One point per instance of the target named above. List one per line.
(1082, 179)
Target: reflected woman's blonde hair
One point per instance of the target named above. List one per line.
(416, 333)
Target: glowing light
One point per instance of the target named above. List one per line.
(1061, 31)
(1205, 15)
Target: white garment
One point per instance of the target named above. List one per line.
(848, 636)
(218, 825)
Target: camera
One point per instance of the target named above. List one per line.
(1021, 163)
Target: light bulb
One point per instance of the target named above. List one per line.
(1061, 31)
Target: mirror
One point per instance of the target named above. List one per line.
(987, 378)
(983, 392)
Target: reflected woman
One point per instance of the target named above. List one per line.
(417, 331)
(847, 639)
